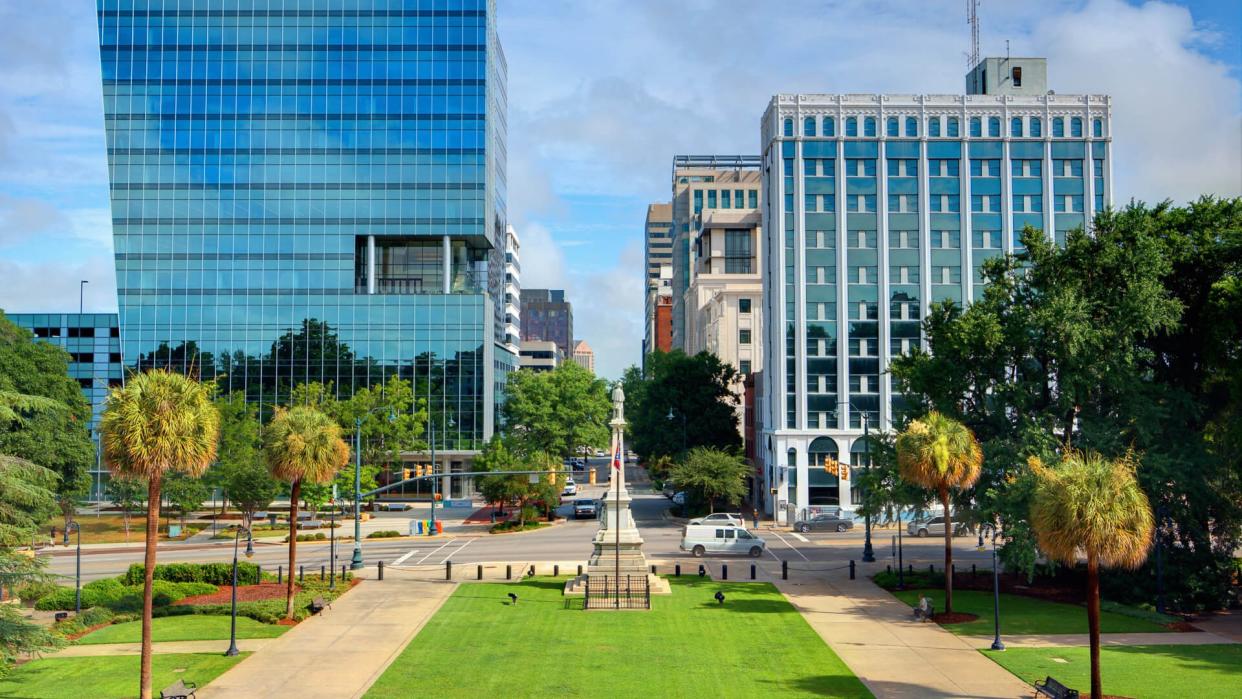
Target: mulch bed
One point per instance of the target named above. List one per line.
(245, 593)
(89, 629)
(1182, 626)
(953, 617)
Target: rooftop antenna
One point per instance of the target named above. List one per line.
(972, 18)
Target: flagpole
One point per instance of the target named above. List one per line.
(616, 452)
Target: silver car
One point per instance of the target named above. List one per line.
(934, 527)
(730, 518)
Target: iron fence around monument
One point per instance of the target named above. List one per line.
(625, 592)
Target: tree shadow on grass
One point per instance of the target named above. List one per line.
(749, 606)
(1225, 658)
(843, 685)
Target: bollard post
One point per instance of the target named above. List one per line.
(579, 569)
(343, 569)
(280, 575)
(972, 570)
(724, 571)
(301, 573)
(894, 544)
(784, 570)
(480, 573)
(752, 571)
(381, 570)
(888, 569)
(532, 570)
(910, 568)
(851, 569)
(323, 572)
(931, 568)
(653, 572)
(259, 571)
(448, 570)
(556, 570)
(677, 571)
(508, 572)
(953, 570)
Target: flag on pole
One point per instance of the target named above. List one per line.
(616, 458)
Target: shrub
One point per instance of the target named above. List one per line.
(80, 623)
(317, 536)
(918, 578)
(386, 534)
(211, 573)
(110, 593)
(32, 592)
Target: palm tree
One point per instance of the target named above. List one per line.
(158, 422)
(1092, 506)
(302, 444)
(940, 453)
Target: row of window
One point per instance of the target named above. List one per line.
(1019, 127)
(727, 199)
(944, 167)
(941, 203)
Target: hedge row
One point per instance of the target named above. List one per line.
(211, 573)
(118, 597)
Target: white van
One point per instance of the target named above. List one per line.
(699, 539)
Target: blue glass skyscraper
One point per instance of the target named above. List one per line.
(311, 190)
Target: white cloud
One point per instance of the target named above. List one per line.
(52, 287)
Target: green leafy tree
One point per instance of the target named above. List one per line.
(302, 445)
(159, 422)
(1092, 506)
(941, 454)
(558, 411)
(682, 402)
(26, 500)
(251, 488)
(888, 495)
(712, 474)
(240, 445)
(392, 422)
(129, 494)
(185, 494)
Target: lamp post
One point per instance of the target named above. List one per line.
(332, 540)
(232, 651)
(683, 428)
(356, 562)
(77, 574)
(82, 295)
(996, 642)
(868, 552)
(901, 576)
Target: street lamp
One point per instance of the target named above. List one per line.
(77, 604)
(683, 428)
(232, 651)
(868, 552)
(996, 642)
(332, 540)
(435, 471)
(82, 295)
(356, 562)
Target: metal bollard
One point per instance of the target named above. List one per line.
(448, 570)
(851, 569)
(259, 573)
(784, 570)
(381, 570)
(893, 543)
(931, 568)
(532, 570)
(888, 569)
(677, 571)
(556, 570)
(344, 568)
(724, 571)
(508, 572)
(301, 573)
(579, 569)
(323, 572)
(910, 569)
(280, 574)
(752, 571)
(973, 572)
(480, 573)
(653, 572)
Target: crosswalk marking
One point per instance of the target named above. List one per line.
(799, 537)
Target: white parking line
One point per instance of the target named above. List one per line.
(790, 545)
(799, 537)
(420, 561)
(451, 553)
(405, 556)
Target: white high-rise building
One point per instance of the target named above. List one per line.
(513, 292)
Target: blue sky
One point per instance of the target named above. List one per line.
(604, 93)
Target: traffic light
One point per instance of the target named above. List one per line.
(830, 465)
(405, 474)
(844, 472)
(418, 470)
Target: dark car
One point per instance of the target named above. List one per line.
(585, 508)
(827, 521)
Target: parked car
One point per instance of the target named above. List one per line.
(934, 527)
(669, 490)
(700, 539)
(599, 452)
(571, 488)
(585, 507)
(679, 498)
(733, 518)
(831, 521)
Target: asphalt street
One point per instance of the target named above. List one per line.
(564, 542)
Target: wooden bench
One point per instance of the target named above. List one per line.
(179, 690)
(317, 605)
(1054, 690)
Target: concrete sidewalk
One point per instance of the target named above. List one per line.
(243, 644)
(343, 650)
(1172, 638)
(895, 656)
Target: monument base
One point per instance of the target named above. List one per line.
(576, 587)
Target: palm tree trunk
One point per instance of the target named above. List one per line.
(294, 494)
(1093, 623)
(948, 552)
(148, 580)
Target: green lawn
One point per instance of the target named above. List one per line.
(109, 677)
(184, 628)
(1025, 615)
(755, 645)
(1142, 672)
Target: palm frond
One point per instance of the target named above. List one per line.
(304, 444)
(939, 452)
(159, 421)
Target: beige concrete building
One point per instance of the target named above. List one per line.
(584, 355)
(540, 355)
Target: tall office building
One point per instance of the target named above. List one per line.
(658, 257)
(584, 355)
(725, 184)
(546, 315)
(513, 292)
(93, 341)
(311, 191)
(878, 205)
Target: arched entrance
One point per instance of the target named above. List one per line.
(823, 485)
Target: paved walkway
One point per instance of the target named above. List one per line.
(361, 635)
(893, 655)
(81, 651)
(1106, 639)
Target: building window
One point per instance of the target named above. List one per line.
(912, 127)
(1097, 128)
(753, 199)
(892, 127)
(1017, 76)
(933, 127)
(1058, 127)
(789, 128)
(743, 305)
(737, 252)
(711, 198)
(1037, 127)
(952, 127)
(726, 199)
(698, 200)
(1076, 127)
(869, 127)
(976, 127)
(743, 366)
(830, 127)
(808, 126)
(743, 336)
(987, 240)
(1015, 126)
(947, 240)
(994, 127)
(851, 126)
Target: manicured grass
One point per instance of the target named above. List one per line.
(109, 677)
(183, 628)
(1142, 672)
(1025, 615)
(687, 645)
(110, 529)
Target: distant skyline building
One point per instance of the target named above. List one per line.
(547, 315)
(541, 355)
(878, 206)
(584, 355)
(658, 258)
(513, 292)
(302, 195)
(93, 341)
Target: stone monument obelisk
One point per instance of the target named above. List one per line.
(618, 545)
